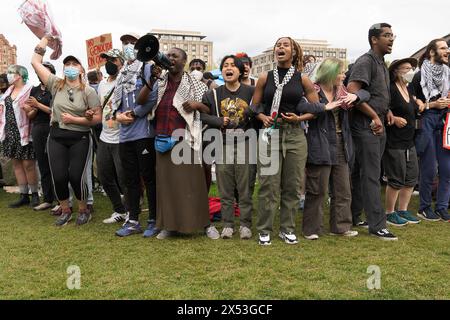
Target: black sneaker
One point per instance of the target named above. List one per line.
(384, 234)
(35, 201)
(429, 215)
(362, 224)
(443, 214)
(24, 200)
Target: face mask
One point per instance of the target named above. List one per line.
(128, 52)
(71, 73)
(408, 77)
(11, 78)
(111, 68)
(197, 75)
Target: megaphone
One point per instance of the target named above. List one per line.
(147, 48)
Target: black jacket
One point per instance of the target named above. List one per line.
(321, 137)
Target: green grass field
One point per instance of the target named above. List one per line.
(35, 256)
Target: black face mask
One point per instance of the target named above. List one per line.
(111, 68)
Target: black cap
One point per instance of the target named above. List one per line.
(49, 66)
(71, 58)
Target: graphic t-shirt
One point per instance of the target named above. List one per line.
(111, 128)
(233, 105)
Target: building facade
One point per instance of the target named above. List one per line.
(8, 54)
(319, 48)
(190, 41)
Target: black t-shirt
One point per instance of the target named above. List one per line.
(44, 97)
(416, 88)
(402, 138)
(292, 92)
(233, 105)
(371, 71)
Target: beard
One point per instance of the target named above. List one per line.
(440, 59)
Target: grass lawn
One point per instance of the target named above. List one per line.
(35, 256)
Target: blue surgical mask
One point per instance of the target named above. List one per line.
(71, 73)
(128, 52)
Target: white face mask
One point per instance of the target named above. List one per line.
(11, 78)
(197, 75)
(128, 52)
(408, 77)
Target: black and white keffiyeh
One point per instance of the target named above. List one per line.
(435, 80)
(190, 89)
(126, 82)
(279, 92)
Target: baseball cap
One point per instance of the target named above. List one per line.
(71, 58)
(129, 35)
(113, 53)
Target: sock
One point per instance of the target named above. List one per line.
(34, 188)
(23, 188)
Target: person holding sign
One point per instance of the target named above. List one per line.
(69, 145)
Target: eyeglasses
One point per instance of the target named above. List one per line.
(388, 36)
(70, 92)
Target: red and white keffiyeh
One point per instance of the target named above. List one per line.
(37, 16)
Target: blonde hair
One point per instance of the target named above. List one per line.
(60, 83)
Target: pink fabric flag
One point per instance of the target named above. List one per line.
(37, 16)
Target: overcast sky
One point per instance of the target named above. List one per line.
(237, 25)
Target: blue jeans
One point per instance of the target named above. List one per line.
(433, 158)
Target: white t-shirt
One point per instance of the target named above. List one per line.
(111, 129)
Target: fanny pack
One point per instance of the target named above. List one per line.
(164, 143)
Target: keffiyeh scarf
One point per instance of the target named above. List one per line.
(277, 99)
(126, 82)
(435, 80)
(190, 89)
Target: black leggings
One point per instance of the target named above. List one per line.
(68, 152)
(40, 134)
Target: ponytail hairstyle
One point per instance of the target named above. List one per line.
(297, 53)
(432, 46)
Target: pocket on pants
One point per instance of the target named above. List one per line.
(312, 185)
(423, 139)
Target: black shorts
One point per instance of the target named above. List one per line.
(401, 167)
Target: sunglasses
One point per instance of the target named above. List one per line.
(70, 92)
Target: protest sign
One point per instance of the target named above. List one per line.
(95, 47)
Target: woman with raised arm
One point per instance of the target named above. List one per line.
(69, 145)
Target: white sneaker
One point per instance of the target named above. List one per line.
(164, 234)
(245, 233)
(227, 233)
(288, 238)
(349, 233)
(264, 239)
(116, 218)
(212, 233)
(312, 237)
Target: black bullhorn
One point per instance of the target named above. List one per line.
(147, 48)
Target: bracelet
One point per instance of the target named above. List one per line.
(428, 106)
(40, 51)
